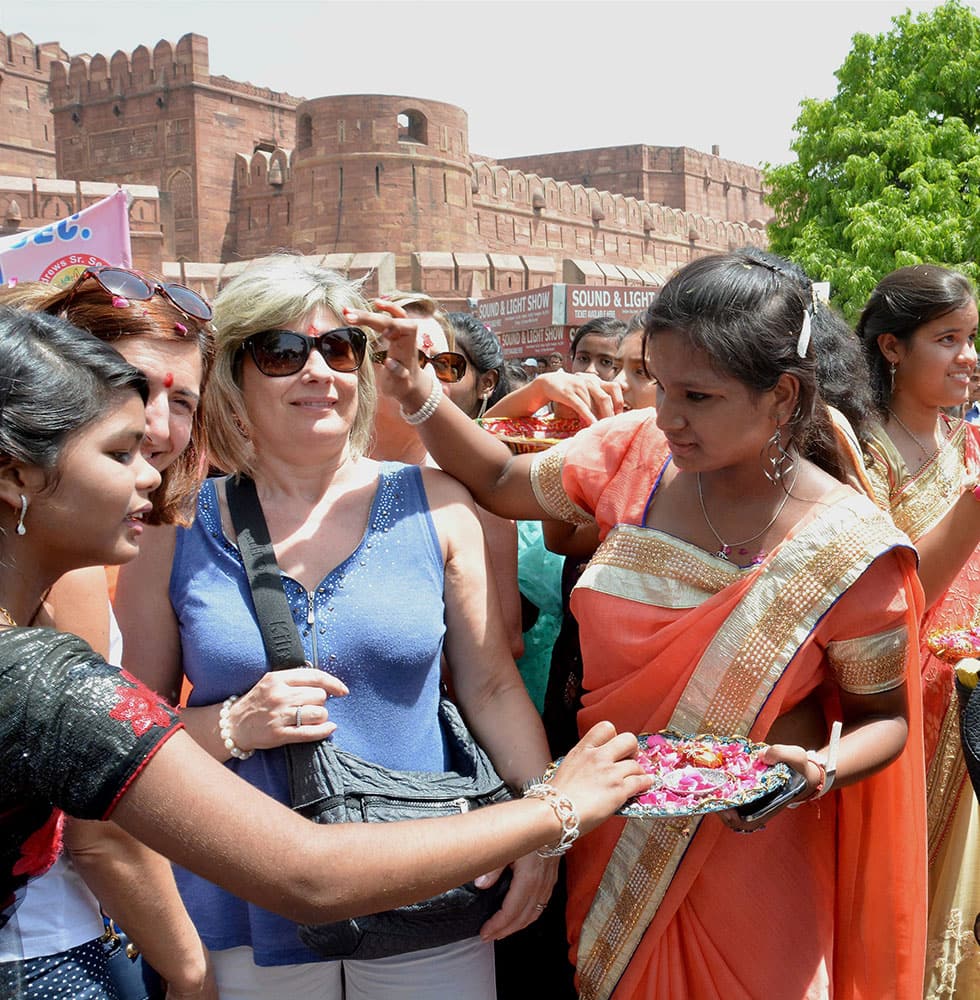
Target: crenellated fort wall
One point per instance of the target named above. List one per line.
(243, 170)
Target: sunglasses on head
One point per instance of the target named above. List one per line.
(278, 353)
(126, 284)
(448, 365)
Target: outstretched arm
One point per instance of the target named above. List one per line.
(234, 835)
(498, 480)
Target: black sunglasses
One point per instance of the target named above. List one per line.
(278, 353)
(126, 284)
(448, 366)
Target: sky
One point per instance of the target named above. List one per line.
(534, 76)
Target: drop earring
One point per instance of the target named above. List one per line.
(892, 368)
(484, 402)
(21, 530)
(776, 460)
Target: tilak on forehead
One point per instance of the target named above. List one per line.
(168, 380)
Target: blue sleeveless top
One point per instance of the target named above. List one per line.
(376, 621)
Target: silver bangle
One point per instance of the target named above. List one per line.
(428, 407)
(565, 812)
(224, 730)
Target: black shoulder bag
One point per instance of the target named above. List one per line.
(329, 785)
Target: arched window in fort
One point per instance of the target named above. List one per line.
(413, 127)
(304, 132)
(181, 195)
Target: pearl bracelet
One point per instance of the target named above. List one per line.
(224, 730)
(565, 812)
(428, 407)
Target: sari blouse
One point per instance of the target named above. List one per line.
(74, 732)
(673, 636)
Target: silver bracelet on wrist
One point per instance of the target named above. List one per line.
(428, 407)
(565, 812)
(224, 730)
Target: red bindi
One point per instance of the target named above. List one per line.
(168, 380)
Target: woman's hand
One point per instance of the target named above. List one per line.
(572, 394)
(399, 375)
(599, 774)
(267, 715)
(796, 758)
(530, 889)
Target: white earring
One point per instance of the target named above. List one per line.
(21, 530)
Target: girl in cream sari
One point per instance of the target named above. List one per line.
(738, 589)
(918, 331)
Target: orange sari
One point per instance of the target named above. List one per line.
(916, 504)
(828, 901)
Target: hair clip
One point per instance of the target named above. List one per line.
(181, 329)
(118, 302)
(804, 340)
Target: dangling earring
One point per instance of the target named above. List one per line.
(776, 460)
(892, 368)
(484, 402)
(21, 530)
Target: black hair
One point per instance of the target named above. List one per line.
(842, 369)
(899, 304)
(54, 380)
(483, 352)
(604, 326)
(745, 311)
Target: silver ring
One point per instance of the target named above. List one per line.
(755, 830)
(539, 906)
(299, 716)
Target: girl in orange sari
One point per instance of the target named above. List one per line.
(918, 331)
(739, 589)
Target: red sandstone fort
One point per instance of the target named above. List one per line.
(380, 186)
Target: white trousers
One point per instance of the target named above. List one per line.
(463, 971)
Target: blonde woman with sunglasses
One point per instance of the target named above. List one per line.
(384, 568)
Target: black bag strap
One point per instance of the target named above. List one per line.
(279, 634)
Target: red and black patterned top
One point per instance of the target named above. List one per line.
(74, 732)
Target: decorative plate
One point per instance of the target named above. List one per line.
(700, 774)
(955, 644)
(525, 434)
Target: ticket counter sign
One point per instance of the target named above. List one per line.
(583, 302)
(540, 321)
(516, 311)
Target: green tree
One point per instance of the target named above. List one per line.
(888, 171)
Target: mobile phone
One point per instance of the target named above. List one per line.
(764, 806)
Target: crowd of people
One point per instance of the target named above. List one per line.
(761, 525)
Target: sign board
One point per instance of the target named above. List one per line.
(538, 322)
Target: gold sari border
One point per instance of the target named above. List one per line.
(945, 780)
(641, 564)
(917, 503)
(870, 664)
(659, 845)
(725, 694)
(548, 489)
